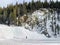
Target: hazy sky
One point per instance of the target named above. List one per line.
(4, 3)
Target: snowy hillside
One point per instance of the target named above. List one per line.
(45, 22)
(37, 27)
(15, 32)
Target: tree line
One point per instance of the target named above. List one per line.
(11, 12)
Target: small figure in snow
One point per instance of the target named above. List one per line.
(26, 37)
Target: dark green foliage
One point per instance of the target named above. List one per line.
(11, 12)
(46, 4)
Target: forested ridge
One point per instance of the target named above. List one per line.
(9, 14)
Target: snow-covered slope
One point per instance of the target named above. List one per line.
(6, 32)
(15, 32)
(36, 28)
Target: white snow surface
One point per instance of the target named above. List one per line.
(15, 32)
(20, 33)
